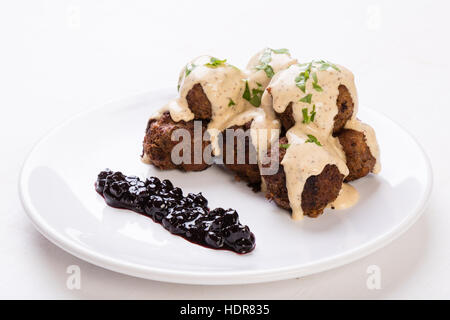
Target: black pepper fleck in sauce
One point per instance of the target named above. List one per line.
(187, 216)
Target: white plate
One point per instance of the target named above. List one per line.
(57, 190)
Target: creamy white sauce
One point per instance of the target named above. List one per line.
(303, 159)
(348, 197)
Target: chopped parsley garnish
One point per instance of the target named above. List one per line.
(214, 63)
(281, 51)
(313, 139)
(315, 83)
(317, 87)
(247, 95)
(300, 80)
(305, 115)
(284, 146)
(321, 65)
(264, 63)
(189, 68)
(307, 98)
(324, 65)
(313, 113)
(307, 118)
(255, 96)
(231, 103)
(266, 58)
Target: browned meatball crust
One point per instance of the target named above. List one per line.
(248, 171)
(320, 190)
(317, 193)
(276, 183)
(157, 146)
(199, 103)
(345, 110)
(345, 106)
(286, 118)
(359, 159)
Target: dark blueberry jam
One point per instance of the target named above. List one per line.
(187, 216)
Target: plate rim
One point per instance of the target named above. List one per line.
(211, 278)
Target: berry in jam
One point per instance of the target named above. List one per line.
(187, 216)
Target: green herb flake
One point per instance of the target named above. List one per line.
(300, 83)
(254, 97)
(269, 71)
(300, 80)
(305, 115)
(307, 68)
(266, 58)
(307, 74)
(313, 139)
(281, 51)
(231, 103)
(307, 118)
(334, 67)
(307, 98)
(247, 95)
(285, 146)
(315, 83)
(214, 63)
(324, 65)
(189, 68)
(317, 87)
(313, 113)
(264, 61)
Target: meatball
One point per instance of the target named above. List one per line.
(199, 103)
(359, 159)
(345, 110)
(249, 170)
(318, 190)
(158, 145)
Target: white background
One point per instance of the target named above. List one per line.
(58, 58)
